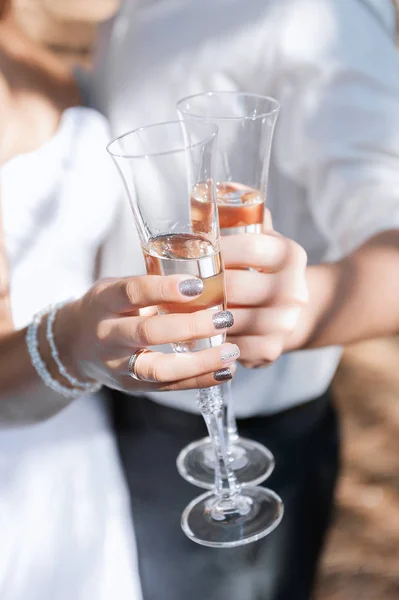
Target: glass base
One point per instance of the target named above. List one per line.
(211, 521)
(252, 463)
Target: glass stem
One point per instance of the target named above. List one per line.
(231, 423)
(210, 402)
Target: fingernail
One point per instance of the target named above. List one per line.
(191, 287)
(223, 319)
(223, 375)
(230, 354)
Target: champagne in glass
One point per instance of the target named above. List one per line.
(187, 253)
(246, 125)
(160, 166)
(241, 208)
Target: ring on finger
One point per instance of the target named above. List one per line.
(133, 362)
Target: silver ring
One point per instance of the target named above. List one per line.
(132, 363)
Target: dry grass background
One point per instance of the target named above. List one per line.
(361, 560)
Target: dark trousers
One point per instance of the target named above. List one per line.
(282, 566)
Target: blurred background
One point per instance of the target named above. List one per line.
(362, 555)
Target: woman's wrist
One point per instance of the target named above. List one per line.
(38, 361)
(75, 382)
(66, 330)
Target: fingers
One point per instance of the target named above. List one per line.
(269, 253)
(256, 351)
(264, 321)
(165, 329)
(167, 368)
(202, 381)
(121, 296)
(267, 300)
(163, 372)
(252, 288)
(263, 334)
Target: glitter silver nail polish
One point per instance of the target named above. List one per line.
(232, 355)
(223, 319)
(223, 375)
(191, 287)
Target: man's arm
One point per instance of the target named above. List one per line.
(353, 299)
(281, 305)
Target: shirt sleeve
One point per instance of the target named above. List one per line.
(338, 135)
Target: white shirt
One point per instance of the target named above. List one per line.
(334, 179)
(65, 521)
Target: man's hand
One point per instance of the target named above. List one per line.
(266, 291)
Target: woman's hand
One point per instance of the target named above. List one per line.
(267, 301)
(101, 331)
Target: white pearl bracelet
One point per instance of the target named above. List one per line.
(40, 367)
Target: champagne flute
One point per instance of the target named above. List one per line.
(160, 166)
(246, 125)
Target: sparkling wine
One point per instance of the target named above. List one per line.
(240, 208)
(188, 254)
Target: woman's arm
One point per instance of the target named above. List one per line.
(24, 398)
(6, 323)
(96, 336)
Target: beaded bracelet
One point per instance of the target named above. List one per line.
(88, 387)
(39, 366)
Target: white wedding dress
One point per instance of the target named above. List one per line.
(65, 527)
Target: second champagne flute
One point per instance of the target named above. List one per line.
(160, 166)
(246, 125)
